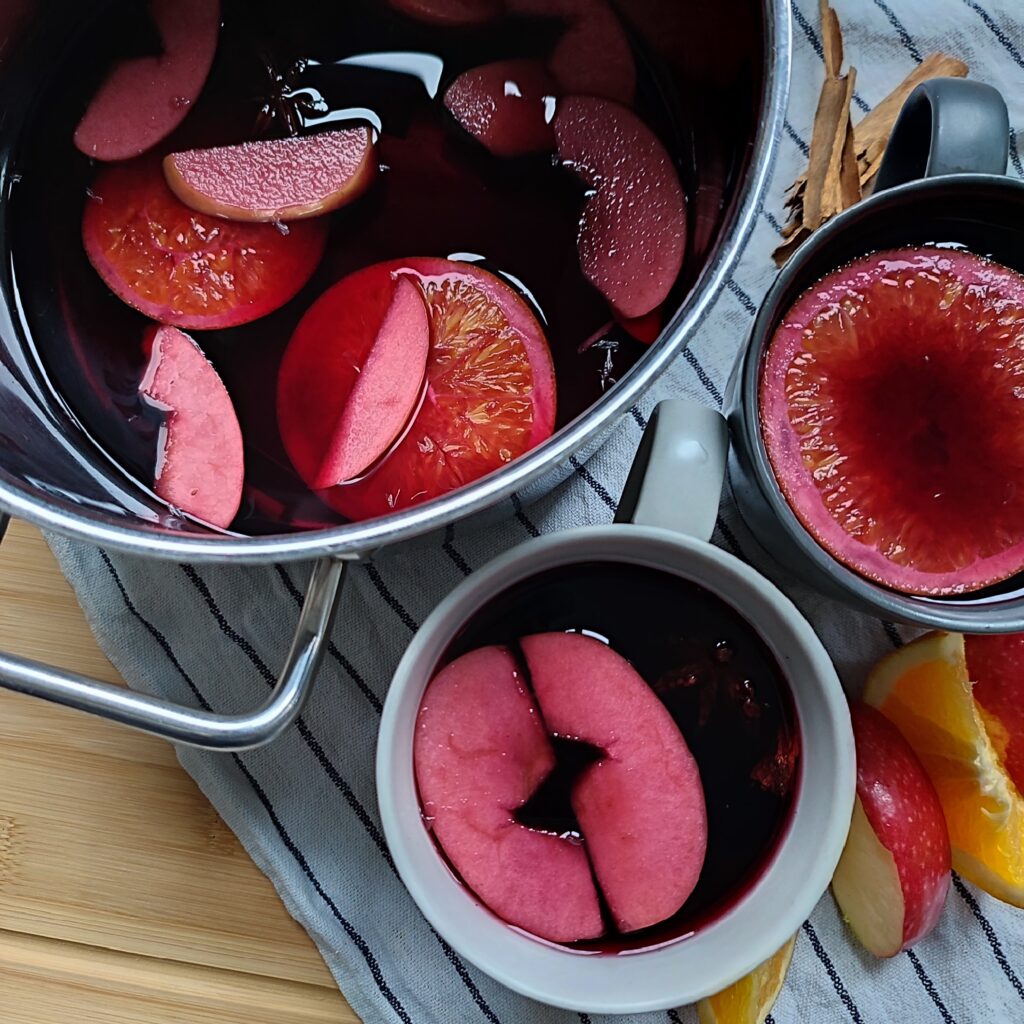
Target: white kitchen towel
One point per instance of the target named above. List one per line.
(305, 807)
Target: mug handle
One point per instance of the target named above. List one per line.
(196, 727)
(947, 126)
(677, 475)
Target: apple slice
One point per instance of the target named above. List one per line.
(453, 13)
(278, 179)
(641, 807)
(386, 392)
(480, 752)
(633, 230)
(143, 100)
(893, 876)
(200, 464)
(508, 106)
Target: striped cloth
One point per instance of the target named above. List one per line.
(306, 809)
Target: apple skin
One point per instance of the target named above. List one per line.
(894, 874)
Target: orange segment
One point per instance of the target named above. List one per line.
(925, 690)
(749, 1000)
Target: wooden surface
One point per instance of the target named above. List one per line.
(123, 896)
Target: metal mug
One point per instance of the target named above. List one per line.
(942, 179)
(54, 475)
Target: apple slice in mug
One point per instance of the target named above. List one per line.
(894, 874)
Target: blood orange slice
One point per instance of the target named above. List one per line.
(190, 269)
(490, 383)
(892, 413)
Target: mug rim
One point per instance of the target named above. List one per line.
(768, 913)
(933, 613)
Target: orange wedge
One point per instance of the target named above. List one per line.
(924, 688)
(749, 1000)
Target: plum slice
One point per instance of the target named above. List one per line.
(277, 179)
(480, 753)
(633, 229)
(593, 57)
(453, 13)
(508, 106)
(490, 388)
(641, 807)
(190, 269)
(891, 413)
(143, 100)
(386, 392)
(200, 464)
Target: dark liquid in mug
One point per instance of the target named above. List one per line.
(439, 194)
(723, 688)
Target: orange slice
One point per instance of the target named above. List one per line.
(749, 1000)
(924, 688)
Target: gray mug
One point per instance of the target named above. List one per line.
(943, 179)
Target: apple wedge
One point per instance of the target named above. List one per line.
(386, 392)
(480, 753)
(894, 874)
(200, 463)
(507, 106)
(143, 100)
(641, 807)
(278, 179)
(633, 229)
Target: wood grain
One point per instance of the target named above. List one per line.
(123, 896)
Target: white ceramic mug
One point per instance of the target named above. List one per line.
(673, 494)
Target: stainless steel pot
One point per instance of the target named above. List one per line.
(53, 475)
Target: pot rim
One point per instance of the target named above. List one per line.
(354, 540)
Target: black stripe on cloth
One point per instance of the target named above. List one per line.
(1005, 41)
(393, 603)
(929, 987)
(449, 549)
(638, 417)
(585, 1018)
(745, 300)
(776, 226)
(901, 30)
(673, 1016)
(595, 485)
(830, 969)
(311, 741)
(332, 772)
(332, 648)
(523, 518)
(990, 933)
(795, 136)
(1015, 154)
(357, 940)
(891, 632)
(812, 38)
(703, 377)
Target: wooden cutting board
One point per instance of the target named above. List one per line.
(123, 896)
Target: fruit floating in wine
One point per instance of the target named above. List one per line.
(588, 802)
(892, 415)
(513, 164)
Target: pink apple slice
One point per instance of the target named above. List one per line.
(641, 807)
(593, 56)
(480, 753)
(454, 13)
(278, 179)
(387, 390)
(894, 874)
(200, 465)
(633, 230)
(508, 106)
(143, 100)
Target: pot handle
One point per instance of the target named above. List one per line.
(947, 126)
(677, 475)
(195, 727)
